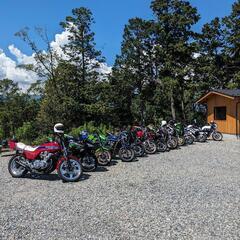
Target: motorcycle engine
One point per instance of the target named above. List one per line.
(43, 162)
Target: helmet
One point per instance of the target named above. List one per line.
(164, 123)
(59, 128)
(84, 135)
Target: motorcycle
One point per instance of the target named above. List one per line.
(211, 131)
(102, 153)
(120, 146)
(136, 144)
(196, 133)
(145, 137)
(84, 150)
(44, 159)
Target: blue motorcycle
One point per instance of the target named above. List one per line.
(120, 146)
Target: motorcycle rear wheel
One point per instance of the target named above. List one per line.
(161, 146)
(89, 163)
(126, 154)
(104, 158)
(150, 147)
(15, 169)
(138, 150)
(181, 141)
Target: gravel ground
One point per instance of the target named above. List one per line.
(190, 193)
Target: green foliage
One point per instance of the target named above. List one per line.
(27, 133)
(41, 139)
(91, 128)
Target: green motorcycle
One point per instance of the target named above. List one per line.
(102, 152)
(180, 134)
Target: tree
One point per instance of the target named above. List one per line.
(134, 67)
(232, 40)
(174, 45)
(15, 108)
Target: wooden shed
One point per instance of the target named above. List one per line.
(223, 107)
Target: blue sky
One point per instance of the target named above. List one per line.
(110, 17)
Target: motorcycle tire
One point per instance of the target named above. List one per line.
(217, 136)
(70, 175)
(15, 169)
(139, 150)
(202, 138)
(104, 158)
(172, 143)
(150, 148)
(89, 163)
(126, 154)
(189, 140)
(161, 146)
(181, 141)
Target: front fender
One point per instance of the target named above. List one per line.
(62, 159)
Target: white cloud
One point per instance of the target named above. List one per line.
(9, 67)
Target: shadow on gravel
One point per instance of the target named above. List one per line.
(113, 163)
(52, 177)
(49, 177)
(101, 169)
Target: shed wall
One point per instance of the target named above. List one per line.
(228, 125)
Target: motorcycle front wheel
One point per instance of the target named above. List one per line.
(217, 136)
(126, 154)
(70, 171)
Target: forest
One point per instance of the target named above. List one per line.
(163, 67)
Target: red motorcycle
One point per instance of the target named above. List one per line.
(44, 159)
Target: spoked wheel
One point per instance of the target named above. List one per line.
(15, 169)
(89, 163)
(104, 158)
(217, 136)
(126, 154)
(70, 171)
(138, 150)
(161, 146)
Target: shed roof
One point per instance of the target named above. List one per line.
(228, 93)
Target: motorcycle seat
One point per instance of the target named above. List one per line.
(22, 146)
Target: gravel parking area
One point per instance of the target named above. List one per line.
(190, 193)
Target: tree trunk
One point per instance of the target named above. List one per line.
(173, 110)
(183, 106)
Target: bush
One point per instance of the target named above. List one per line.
(27, 133)
(91, 128)
(41, 139)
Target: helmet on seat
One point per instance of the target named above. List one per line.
(59, 128)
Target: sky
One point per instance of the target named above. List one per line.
(110, 18)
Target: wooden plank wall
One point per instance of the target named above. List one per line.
(228, 126)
